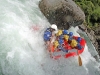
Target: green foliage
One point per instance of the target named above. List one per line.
(96, 14)
(91, 9)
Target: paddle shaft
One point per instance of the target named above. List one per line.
(79, 59)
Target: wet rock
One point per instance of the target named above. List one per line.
(82, 27)
(93, 38)
(97, 34)
(97, 30)
(64, 13)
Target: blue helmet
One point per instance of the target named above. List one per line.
(65, 32)
(60, 41)
(79, 39)
(47, 35)
(61, 37)
(70, 33)
(79, 46)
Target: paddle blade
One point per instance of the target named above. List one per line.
(80, 61)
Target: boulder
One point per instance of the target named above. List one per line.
(64, 13)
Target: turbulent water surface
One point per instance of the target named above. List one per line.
(22, 49)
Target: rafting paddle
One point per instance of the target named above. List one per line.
(79, 59)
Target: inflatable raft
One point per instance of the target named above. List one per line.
(69, 48)
(64, 42)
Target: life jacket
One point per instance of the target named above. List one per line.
(47, 34)
(60, 32)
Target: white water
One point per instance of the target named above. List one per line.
(22, 49)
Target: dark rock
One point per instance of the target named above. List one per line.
(97, 30)
(97, 37)
(82, 27)
(64, 13)
(96, 57)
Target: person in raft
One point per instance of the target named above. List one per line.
(49, 35)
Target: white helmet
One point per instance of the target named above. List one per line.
(53, 26)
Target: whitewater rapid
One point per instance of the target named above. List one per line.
(22, 49)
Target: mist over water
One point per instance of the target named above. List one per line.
(22, 49)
